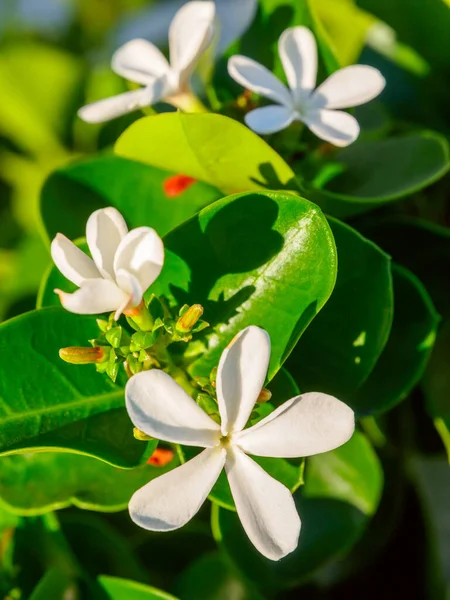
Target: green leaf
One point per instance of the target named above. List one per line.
(73, 192)
(209, 147)
(55, 584)
(213, 578)
(36, 483)
(119, 589)
(342, 345)
(341, 492)
(46, 403)
(405, 356)
(374, 172)
(264, 259)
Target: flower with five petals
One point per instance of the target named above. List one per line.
(123, 265)
(316, 108)
(303, 426)
(142, 62)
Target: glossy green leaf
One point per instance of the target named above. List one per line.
(289, 472)
(47, 403)
(374, 172)
(341, 492)
(36, 483)
(213, 578)
(405, 356)
(73, 192)
(121, 589)
(342, 345)
(209, 147)
(264, 259)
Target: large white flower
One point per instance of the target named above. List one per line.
(125, 263)
(142, 62)
(305, 425)
(348, 87)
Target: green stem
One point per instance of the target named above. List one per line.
(188, 103)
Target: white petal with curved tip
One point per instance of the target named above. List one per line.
(298, 52)
(95, 296)
(264, 505)
(141, 253)
(133, 289)
(269, 119)
(334, 126)
(255, 77)
(190, 34)
(74, 264)
(349, 87)
(139, 61)
(159, 407)
(110, 108)
(105, 229)
(171, 500)
(303, 426)
(240, 377)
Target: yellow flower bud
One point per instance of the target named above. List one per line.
(79, 355)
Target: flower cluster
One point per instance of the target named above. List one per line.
(191, 33)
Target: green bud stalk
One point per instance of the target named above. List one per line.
(141, 317)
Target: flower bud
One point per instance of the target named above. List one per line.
(161, 457)
(190, 317)
(140, 435)
(264, 396)
(79, 355)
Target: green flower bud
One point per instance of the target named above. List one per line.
(79, 355)
(189, 318)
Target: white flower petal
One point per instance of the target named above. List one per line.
(105, 230)
(240, 377)
(171, 500)
(349, 87)
(269, 119)
(190, 34)
(110, 108)
(334, 126)
(74, 264)
(255, 77)
(95, 296)
(264, 505)
(140, 61)
(131, 286)
(298, 52)
(159, 407)
(303, 426)
(141, 253)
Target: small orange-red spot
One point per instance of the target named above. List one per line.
(177, 184)
(161, 457)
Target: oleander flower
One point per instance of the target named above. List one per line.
(142, 62)
(303, 426)
(123, 265)
(317, 107)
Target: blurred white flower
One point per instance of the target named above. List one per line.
(123, 265)
(305, 425)
(141, 62)
(233, 18)
(348, 87)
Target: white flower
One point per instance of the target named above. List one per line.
(303, 426)
(142, 62)
(125, 263)
(348, 87)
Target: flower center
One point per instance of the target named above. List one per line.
(225, 440)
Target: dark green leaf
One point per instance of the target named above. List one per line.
(209, 147)
(73, 192)
(55, 584)
(404, 358)
(47, 403)
(380, 171)
(341, 346)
